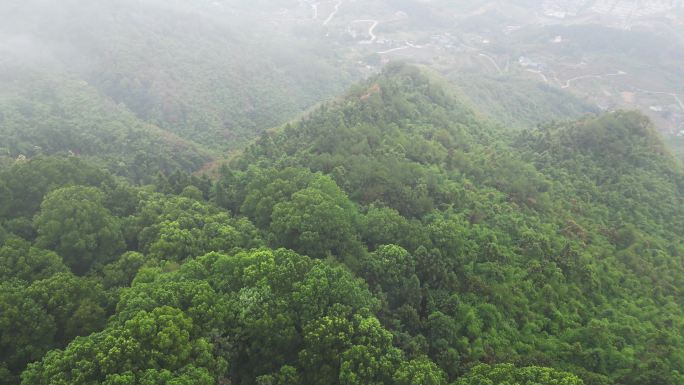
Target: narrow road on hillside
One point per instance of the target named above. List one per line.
(371, 34)
(393, 50)
(544, 78)
(314, 8)
(407, 46)
(569, 81)
(491, 59)
(332, 15)
(675, 96)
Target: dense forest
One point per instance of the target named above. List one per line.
(62, 116)
(519, 104)
(233, 76)
(393, 236)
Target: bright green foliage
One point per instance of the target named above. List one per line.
(376, 144)
(507, 374)
(517, 247)
(420, 371)
(75, 224)
(351, 351)
(179, 228)
(155, 347)
(309, 314)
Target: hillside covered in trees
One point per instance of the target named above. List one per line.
(233, 76)
(63, 116)
(393, 236)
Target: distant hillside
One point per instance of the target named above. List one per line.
(208, 73)
(677, 145)
(616, 164)
(44, 114)
(520, 103)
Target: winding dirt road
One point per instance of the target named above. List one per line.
(675, 96)
(371, 34)
(393, 50)
(569, 81)
(491, 59)
(332, 15)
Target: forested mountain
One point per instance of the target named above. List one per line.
(393, 236)
(211, 74)
(62, 115)
(576, 221)
(519, 104)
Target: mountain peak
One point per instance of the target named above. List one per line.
(616, 139)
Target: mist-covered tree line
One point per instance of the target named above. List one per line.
(391, 237)
(138, 58)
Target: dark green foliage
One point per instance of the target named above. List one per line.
(178, 228)
(383, 225)
(183, 184)
(317, 221)
(26, 330)
(18, 259)
(76, 304)
(29, 181)
(74, 223)
(121, 272)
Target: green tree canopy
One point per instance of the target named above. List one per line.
(27, 331)
(507, 374)
(18, 259)
(155, 347)
(318, 221)
(74, 223)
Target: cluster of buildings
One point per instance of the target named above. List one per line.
(624, 12)
(633, 8)
(560, 9)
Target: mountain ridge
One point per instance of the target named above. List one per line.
(568, 220)
(391, 237)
